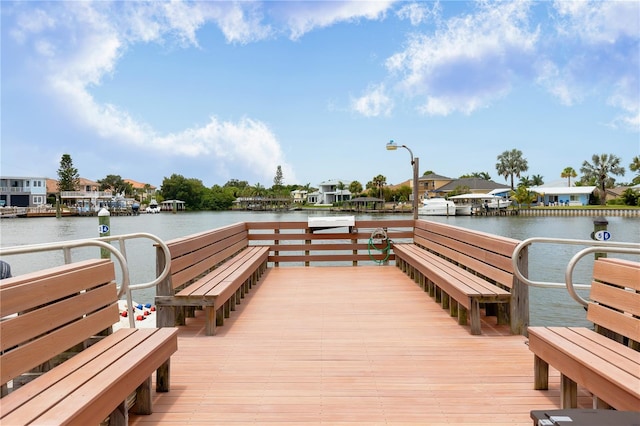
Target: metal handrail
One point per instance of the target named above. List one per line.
(568, 276)
(102, 242)
(595, 246)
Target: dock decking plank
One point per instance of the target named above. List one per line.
(346, 346)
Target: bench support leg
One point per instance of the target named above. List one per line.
(462, 315)
(220, 316)
(475, 317)
(540, 374)
(599, 404)
(143, 398)
(209, 320)
(163, 375)
(504, 311)
(119, 416)
(568, 393)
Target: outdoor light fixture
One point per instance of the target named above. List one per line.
(392, 146)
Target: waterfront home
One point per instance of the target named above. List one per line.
(563, 196)
(23, 191)
(329, 192)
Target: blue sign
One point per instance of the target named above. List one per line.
(602, 235)
(103, 229)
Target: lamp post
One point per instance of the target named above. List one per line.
(392, 146)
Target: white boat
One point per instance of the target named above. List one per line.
(437, 207)
(153, 207)
(463, 209)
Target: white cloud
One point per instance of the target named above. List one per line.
(469, 61)
(374, 103)
(601, 56)
(598, 21)
(90, 40)
(419, 13)
(303, 17)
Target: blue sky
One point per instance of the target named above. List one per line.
(230, 90)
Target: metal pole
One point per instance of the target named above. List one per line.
(415, 188)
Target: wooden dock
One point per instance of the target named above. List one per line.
(348, 346)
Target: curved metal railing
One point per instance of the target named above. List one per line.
(594, 247)
(104, 243)
(568, 276)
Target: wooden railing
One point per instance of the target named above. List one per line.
(297, 244)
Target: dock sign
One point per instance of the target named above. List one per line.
(103, 229)
(602, 235)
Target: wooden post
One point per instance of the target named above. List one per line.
(520, 297)
(165, 315)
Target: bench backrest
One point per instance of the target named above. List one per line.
(45, 313)
(615, 298)
(195, 255)
(485, 254)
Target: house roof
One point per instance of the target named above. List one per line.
(474, 184)
(138, 185)
(433, 176)
(336, 182)
(573, 190)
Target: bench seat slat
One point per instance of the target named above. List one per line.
(479, 284)
(204, 286)
(450, 274)
(122, 377)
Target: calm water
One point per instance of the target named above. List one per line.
(546, 262)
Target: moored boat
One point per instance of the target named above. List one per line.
(437, 206)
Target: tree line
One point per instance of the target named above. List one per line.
(511, 164)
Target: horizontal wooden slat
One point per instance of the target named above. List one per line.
(53, 285)
(615, 321)
(34, 323)
(615, 297)
(32, 354)
(623, 273)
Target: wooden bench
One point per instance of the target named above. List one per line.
(212, 270)
(44, 314)
(609, 367)
(464, 270)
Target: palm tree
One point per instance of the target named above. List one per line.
(510, 164)
(568, 173)
(537, 180)
(635, 167)
(599, 170)
(379, 182)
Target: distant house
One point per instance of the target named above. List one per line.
(299, 196)
(429, 185)
(145, 190)
(328, 193)
(563, 195)
(23, 191)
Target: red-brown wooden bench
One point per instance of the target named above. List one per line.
(44, 314)
(212, 270)
(463, 270)
(606, 360)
